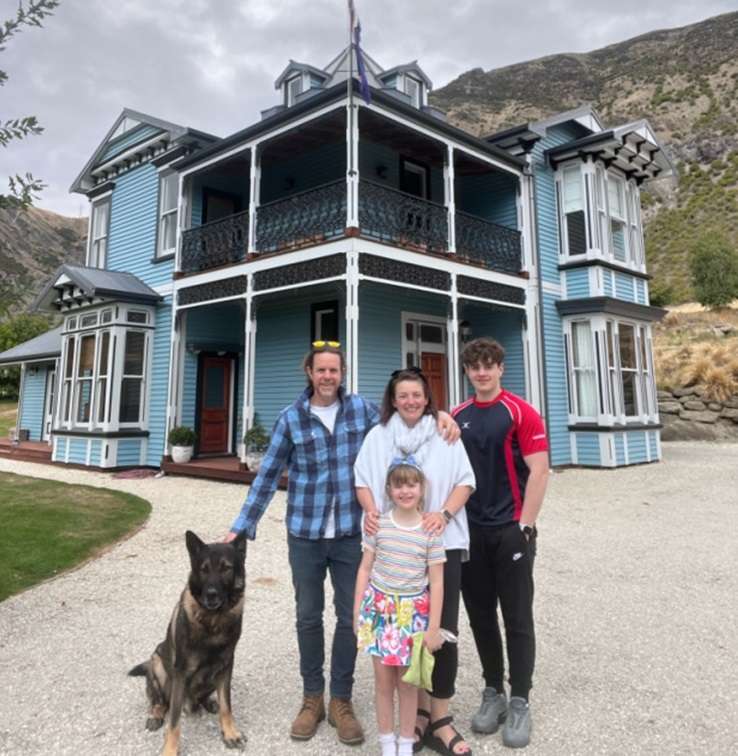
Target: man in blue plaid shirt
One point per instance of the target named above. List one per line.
(318, 438)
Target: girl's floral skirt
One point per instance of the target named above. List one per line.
(387, 622)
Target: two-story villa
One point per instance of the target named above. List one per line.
(213, 263)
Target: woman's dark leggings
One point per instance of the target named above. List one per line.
(447, 657)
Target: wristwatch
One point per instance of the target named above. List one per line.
(447, 515)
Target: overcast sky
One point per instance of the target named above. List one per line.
(211, 64)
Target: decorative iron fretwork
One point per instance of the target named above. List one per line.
(228, 287)
(302, 272)
(392, 270)
(216, 243)
(476, 287)
(479, 241)
(302, 219)
(391, 215)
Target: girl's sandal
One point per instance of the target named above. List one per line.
(434, 742)
(419, 743)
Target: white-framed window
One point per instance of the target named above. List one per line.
(168, 189)
(618, 217)
(130, 410)
(610, 369)
(414, 90)
(103, 382)
(634, 224)
(97, 254)
(574, 224)
(293, 88)
(583, 370)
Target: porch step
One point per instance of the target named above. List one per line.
(25, 455)
(200, 469)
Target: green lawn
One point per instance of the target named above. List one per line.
(48, 527)
(8, 409)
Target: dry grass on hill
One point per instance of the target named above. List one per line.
(697, 347)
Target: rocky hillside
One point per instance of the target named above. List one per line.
(684, 81)
(32, 244)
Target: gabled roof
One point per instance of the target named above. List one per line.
(585, 115)
(75, 284)
(293, 67)
(156, 127)
(46, 345)
(338, 69)
(411, 67)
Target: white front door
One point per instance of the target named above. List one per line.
(49, 405)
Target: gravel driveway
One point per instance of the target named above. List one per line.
(636, 619)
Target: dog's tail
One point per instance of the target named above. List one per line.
(140, 670)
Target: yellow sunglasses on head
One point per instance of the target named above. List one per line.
(334, 344)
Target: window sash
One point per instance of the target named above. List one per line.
(573, 210)
(168, 189)
(99, 229)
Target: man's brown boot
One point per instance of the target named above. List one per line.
(311, 715)
(341, 716)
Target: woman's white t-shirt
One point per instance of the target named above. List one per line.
(444, 466)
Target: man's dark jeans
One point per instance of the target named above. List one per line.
(309, 560)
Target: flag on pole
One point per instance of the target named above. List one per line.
(356, 44)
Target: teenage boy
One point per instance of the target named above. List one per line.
(506, 443)
(317, 438)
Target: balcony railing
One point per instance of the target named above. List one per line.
(216, 243)
(302, 218)
(482, 242)
(385, 214)
(391, 215)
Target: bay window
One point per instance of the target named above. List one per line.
(104, 369)
(599, 213)
(609, 363)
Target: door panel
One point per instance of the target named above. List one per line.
(215, 404)
(434, 368)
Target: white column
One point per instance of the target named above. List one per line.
(449, 184)
(352, 321)
(352, 164)
(254, 192)
(174, 363)
(452, 339)
(248, 407)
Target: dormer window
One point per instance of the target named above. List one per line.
(293, 89)
(413, 89)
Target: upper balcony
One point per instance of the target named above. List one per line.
(401, 186)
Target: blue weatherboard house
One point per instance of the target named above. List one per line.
(212, 264)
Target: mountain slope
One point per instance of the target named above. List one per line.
(685, 81)
(32, 245)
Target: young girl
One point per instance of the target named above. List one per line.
(392, 600)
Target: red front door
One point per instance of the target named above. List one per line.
(215, 404)
(434, 368)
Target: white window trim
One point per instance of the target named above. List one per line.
(418, 101)
(97, 203)
(290, 98)
(610, 400)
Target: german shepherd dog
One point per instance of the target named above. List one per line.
(196, 657)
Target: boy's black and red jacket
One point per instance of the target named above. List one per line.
(497, 435)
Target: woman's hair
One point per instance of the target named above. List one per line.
(407, 374)
(402, 474)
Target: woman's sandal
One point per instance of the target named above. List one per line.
(420, 742)
(434, 742)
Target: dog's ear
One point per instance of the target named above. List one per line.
(194, 544)
(240, 543)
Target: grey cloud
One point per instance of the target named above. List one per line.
(212, 65)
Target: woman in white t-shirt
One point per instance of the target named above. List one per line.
(408, 427)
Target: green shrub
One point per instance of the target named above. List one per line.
(181, 435)
(713, 264)
(256, 438)
(661, 293)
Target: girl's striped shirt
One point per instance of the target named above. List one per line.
(402, 556)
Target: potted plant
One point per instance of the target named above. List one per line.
(255, 441)
(182, 441)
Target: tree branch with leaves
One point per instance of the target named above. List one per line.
(23, 189)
